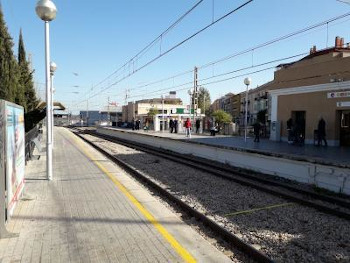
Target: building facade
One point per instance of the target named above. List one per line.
(316, 86)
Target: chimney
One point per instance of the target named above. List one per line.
(342, 42)
(313, 50)
(337, 42)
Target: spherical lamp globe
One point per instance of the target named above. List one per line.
(46, 10)
(53, 67)
(247, 81)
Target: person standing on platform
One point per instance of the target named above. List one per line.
(138, 124)
(188, 127)
(175, 125)
(290, 130)
(133, 124)
(171, 125)
(257, 127)
(198, 125)
(321, 132)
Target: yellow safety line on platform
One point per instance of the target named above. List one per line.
(257, 209)
(171, 240)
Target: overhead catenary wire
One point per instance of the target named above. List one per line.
(172, 48)
(223, 74)
(147, 47)
(273, 41)
(254, 48)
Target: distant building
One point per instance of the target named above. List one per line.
(165, 109)
(141, 108)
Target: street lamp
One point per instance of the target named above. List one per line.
(53, 68)
(247, 82)
(46, 10)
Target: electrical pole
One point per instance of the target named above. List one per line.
(195, 92)
(204, 103)
(87, 112)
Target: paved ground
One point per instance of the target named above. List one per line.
(328, 155)
(93, 212)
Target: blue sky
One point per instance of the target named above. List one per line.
(94, 38)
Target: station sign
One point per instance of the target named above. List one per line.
(340, 94)
(343, 104)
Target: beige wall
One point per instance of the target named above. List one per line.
(317, 70)
(314, 104)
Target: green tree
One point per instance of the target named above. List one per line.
(26, 85)
(152, 112)
(8, 64)
(204, 100)
(221, 117)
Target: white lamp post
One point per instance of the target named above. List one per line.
(247, 82)
(46, 10)
(53, 68)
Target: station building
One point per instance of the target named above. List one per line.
(316, 86)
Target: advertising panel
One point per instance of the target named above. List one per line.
(14, 153)
(3, 202)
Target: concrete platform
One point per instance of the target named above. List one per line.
(325, 167)
(93, 212)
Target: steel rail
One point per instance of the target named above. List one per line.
(238, 177)
(219, 230)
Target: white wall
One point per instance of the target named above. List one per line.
(329, 177)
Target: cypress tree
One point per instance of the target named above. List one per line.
(26, 78)
(8, 65)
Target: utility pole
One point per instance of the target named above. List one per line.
(204, 103)
(87, 112)
(195, 92)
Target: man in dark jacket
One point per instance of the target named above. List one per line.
(175, 125)
(171, 125)
(257, 127)
(198, 125)
(321, 132)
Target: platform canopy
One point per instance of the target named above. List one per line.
(59, 106)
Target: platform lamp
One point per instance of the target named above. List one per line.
(247, 82)
(53, 68)
(46, 10)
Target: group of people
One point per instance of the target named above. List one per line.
(188, 126)
(136, 124)
(296, 132)
(173, 125)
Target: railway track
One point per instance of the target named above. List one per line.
(328, 204)
(225, 174)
